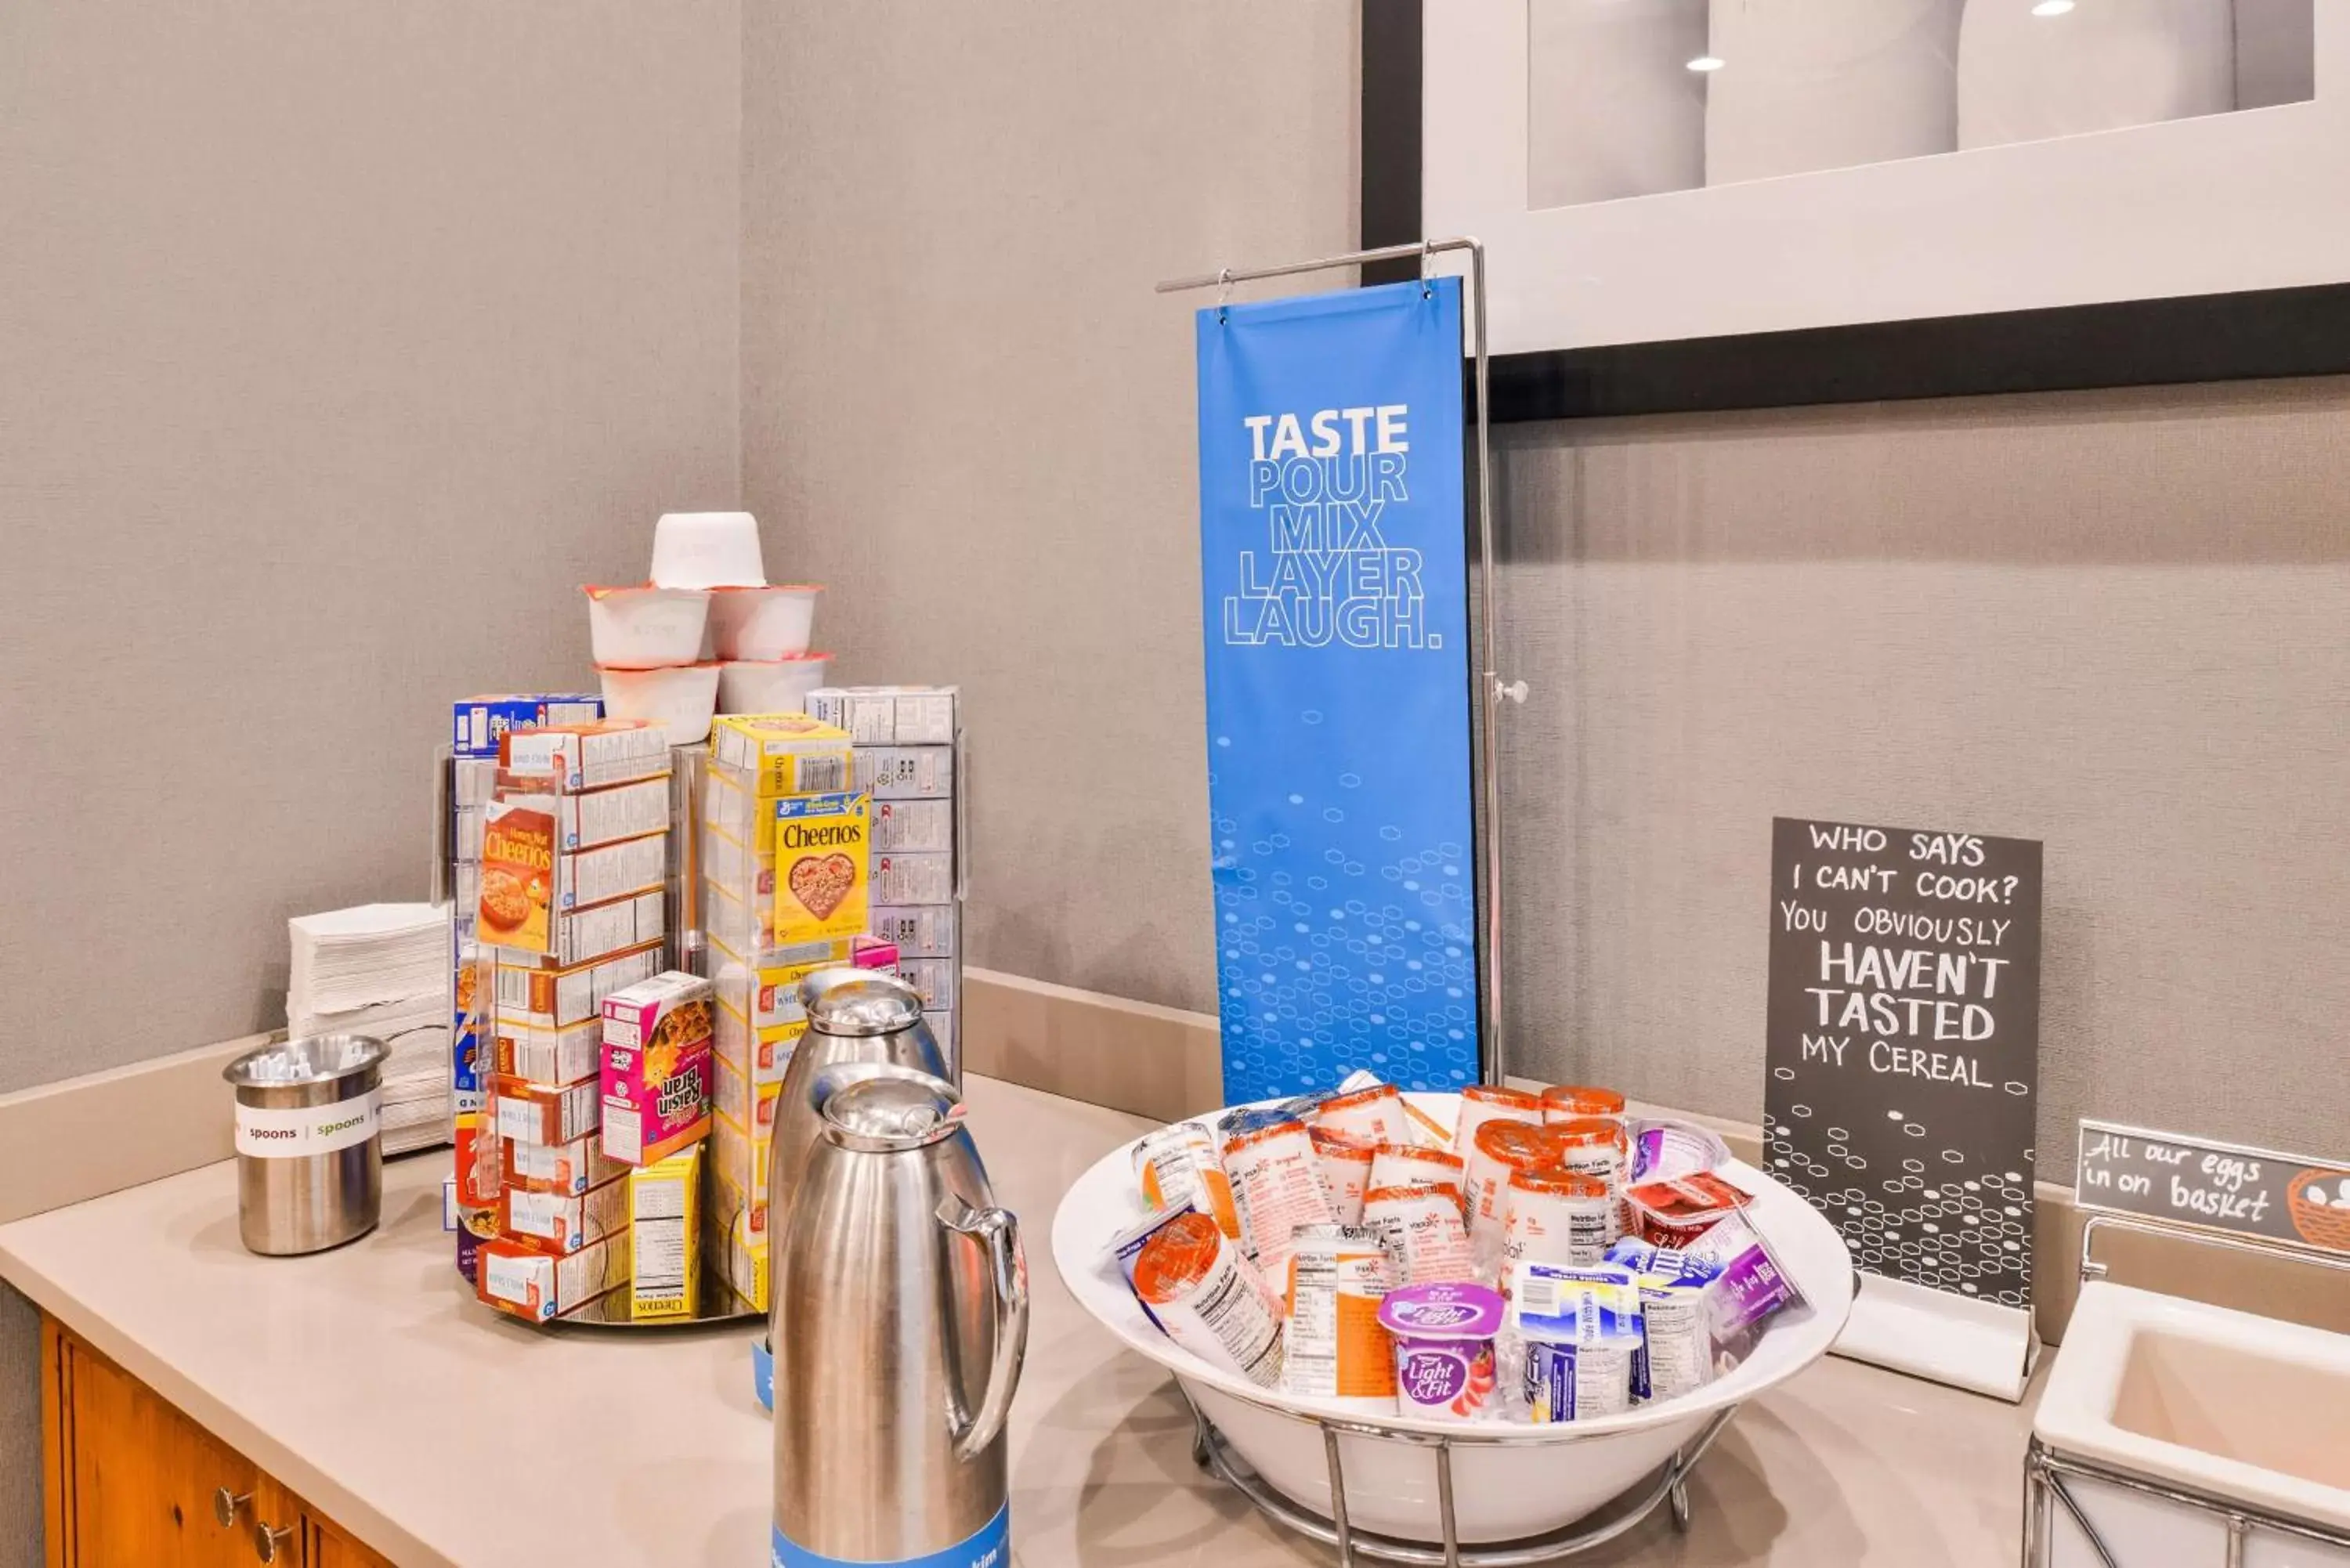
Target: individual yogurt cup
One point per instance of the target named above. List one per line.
(641, 627)
(1443, 1336)
(770, 685)
(760, 624)
(708, 550)
(680, 699)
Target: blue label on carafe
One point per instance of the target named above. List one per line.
(989, 1547)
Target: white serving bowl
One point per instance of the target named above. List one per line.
(762, 623)
(770, 685)
(1510, 1480)
(645, 628)
(708, 550)
(680, 699)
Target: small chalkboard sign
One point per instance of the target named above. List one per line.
(1904, 1047)
(2218, 1186)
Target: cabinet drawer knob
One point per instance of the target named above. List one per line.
(226, 1502)
(267, 1542)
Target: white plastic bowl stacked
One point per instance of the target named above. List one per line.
(708, 634)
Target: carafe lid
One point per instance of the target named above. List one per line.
(896, 1110)
(859, 1002)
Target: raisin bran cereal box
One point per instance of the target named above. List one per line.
(821, 844)
(656, 1069)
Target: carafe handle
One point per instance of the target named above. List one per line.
(1007, 1275)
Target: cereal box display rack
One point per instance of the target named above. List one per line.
(634, 919)
(1391, 1314)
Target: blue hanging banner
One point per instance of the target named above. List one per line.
(1334, 574)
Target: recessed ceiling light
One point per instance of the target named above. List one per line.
(1715, 62)
(2052, 7)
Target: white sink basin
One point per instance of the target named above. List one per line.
(2228, 1405)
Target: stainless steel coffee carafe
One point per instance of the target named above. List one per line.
(858, 1019)
(907, 1300)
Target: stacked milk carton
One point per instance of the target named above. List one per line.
(783, 848)
(570, 910)
(905, 739)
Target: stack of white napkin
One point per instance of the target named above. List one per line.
(382, 969)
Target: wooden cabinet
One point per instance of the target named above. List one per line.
(131, 1482)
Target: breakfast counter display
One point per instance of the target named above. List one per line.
(342, 1374)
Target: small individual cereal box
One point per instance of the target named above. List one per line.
(548, 995)
(933, 980)
(744, 925)
(656, 1069)
(533, 1113)
(888, 715)
(581, 936)
(743, 1101)
(471, 780)
(665, 1237)
(905, 773)
(917, 878)
(610, 871)
(918, 930)
(465, 835)
(783, 753)
(562, 1221)
(743, 1160)
(584, 756)
(467, 992)
(478, 1165)
(550, 1056)
(482, 721)
(746, 1262)
(821, 844)
(738, 872)
(572, 1169)
(518, 886)
(595, 817)
(516, 1278)
(767, 991)
(731, 809)
(765, 1053)
(913, 825)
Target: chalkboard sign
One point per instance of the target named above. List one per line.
(1904, 1047)
(2219, 1186)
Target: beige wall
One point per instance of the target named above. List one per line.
(964, 408)
(2111, 621)
(314, 319)
(343, 342)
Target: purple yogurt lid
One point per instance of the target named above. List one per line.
(1442, 1310)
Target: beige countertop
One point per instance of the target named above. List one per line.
(368, 1381)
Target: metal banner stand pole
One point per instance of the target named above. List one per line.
(1667, 1486)
(1492, 1063)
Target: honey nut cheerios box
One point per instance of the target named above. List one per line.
(822, 842)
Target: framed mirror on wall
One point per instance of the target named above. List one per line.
(1723, 203)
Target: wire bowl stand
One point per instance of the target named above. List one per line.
(1667, 1486)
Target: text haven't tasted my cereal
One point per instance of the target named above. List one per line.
(822, 843)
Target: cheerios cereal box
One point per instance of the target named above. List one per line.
(821, 844)
(781, 754)
(665, 1237)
